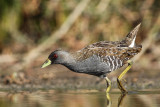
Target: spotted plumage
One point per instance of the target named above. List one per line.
(101, 57)
(98, 58)
(113, 57)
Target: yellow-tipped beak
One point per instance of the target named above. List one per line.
(46, 63)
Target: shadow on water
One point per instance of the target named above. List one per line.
(79, 99)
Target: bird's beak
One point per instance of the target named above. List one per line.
(46, 63)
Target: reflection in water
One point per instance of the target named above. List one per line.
(121, 99)
(78, 99)
(109, 100)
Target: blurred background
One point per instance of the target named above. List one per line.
(31, 29)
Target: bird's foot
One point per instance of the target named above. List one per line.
(120, 86)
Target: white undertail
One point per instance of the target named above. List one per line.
(132, 43)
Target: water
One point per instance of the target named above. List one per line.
(82, 98)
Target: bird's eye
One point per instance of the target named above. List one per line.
(55, 56)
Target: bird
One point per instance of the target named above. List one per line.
(100, 58)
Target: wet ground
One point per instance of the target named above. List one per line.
(79, 98)
(48, 88)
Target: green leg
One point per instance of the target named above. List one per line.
(108, 85)
(120, 77)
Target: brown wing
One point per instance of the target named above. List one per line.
(106, 44)
(113, 55)
(95, 49)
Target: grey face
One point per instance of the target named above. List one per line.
(53, 58)
(56, 57)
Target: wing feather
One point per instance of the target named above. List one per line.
(123, 53)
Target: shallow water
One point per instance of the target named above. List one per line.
(82, 98)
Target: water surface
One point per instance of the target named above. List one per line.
(84, 98)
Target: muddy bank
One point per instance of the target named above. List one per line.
(62, 78)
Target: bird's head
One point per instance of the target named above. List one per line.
(56, 57)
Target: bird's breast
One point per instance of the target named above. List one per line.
(90, 65)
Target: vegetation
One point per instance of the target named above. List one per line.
(30, 30)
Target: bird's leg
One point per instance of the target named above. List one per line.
(108, 85)
(120, 77)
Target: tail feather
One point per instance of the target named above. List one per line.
(131, 37)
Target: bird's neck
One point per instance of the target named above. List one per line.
(68, 59)
(71, 61)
